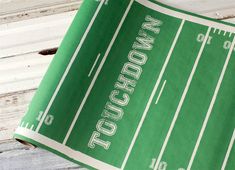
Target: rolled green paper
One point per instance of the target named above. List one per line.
(138, 85)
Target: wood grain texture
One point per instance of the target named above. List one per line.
(13, 106)
(14, 155)
(33, 35)
(22, 72)
(16, 10)
(24, 26)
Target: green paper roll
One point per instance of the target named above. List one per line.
(138, 85)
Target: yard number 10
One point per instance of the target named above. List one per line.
(48, 120)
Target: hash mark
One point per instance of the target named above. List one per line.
(22, 124)
(31, 128)
(97, 58)
(163, 86)
(214, 30)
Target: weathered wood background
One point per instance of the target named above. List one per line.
(27, 29)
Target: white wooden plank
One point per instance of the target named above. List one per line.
(218, 9)
(221, 13)
(34, 34)
(12, 108)
(201, 6)
(22, 72)
(11, 6)
(15, 10)
(14, 155)
(231, 20)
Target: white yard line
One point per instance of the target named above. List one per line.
(97, 58)
(97, 72)
(228, 151)
(182, 100)
(211, 106)
(27, 124)
(69, 66)
(152, 94)
(160, 94)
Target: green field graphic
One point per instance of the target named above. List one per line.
(137, 85)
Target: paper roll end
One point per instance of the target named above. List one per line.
(30, 145)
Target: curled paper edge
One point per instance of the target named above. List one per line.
(26, 143)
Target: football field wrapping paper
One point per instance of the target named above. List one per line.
(137, 85)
